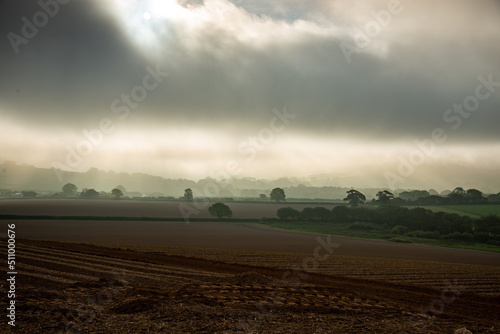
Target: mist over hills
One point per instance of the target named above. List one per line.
(23, 177)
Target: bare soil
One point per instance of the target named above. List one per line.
(79, 288)
(131, 208)
(173, 277)
(241, 236)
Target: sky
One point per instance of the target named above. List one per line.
(393, 94)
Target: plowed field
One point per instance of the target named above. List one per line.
(77, 288)
(211, 277)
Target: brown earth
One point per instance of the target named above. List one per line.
(78, 288)
(173, 277)
(131, 208)
(240, 236)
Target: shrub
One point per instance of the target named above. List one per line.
(425, 234)
(89, 193)
(399, 229)
(340, 213)
(361, 213)
(467, 236)
(459, 236)
(220, 210)
(322, 214)
(288, 213)
(360, 227)
(481, 237)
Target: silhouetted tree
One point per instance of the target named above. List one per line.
(322, 214)
(220, 210)
(355, 198)
(494, 197)
(117, 193)
(122, 188)
(316, 214)
(263, 196)
(398, 201)
(288, 213)
(69, 189)
(432, 200)
(474, 196)
(188, 195)
(384, 196)
(277, 194)
(89, 193)
(308, 214)
(414, 194)
(457, 195)
(28, 193)
(488, 224)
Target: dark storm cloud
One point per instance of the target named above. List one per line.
(68, 70)
(82, 61)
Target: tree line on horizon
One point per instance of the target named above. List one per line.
(69, 189)
(422, 197)
(413, 222)
(18, 179)
(414, 197)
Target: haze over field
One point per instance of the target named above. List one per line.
(387, 94)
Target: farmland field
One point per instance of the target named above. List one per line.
(226, 277)
(84, 288)
(377, 232)
(131, 208)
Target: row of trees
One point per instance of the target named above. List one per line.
(69, 189)
(219, 210)
(355, 198)
(277, 194)
(415, 197)
(404, 220)
(422, 197)
(458, 196)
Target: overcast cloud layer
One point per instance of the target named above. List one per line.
(230, 64)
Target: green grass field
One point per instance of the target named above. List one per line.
(474, 211)
(379, 232)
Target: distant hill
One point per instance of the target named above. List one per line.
(20, 177)
(27, 177)
(23, 177)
